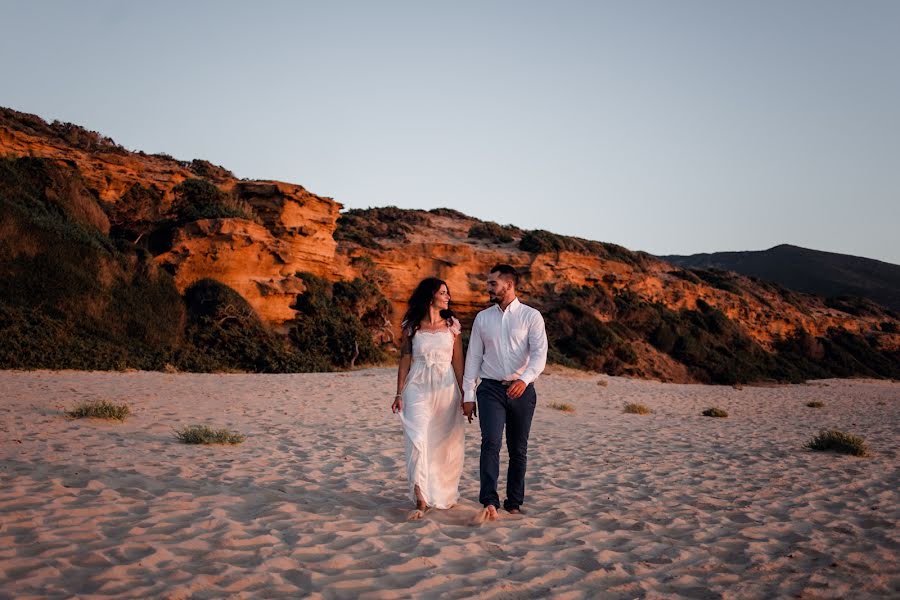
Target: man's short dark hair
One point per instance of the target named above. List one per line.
(508, 271)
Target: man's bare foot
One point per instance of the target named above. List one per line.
(515, 511)
(488, 513)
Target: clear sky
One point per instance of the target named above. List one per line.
(672, 127)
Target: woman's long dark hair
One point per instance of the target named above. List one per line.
(419, 303)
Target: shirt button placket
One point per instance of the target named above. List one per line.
(504, 341)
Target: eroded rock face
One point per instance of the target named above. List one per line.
(258, 259)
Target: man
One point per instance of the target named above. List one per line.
(507, 350)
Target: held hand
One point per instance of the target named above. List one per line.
(469, 410)
(397, 406)
(516, 389)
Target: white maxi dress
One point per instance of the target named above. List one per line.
(432, 419)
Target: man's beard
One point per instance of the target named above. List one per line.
(495, 299)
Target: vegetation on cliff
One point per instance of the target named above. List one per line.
(367, 226)
(714, 348)
(492, 232)
(71, 297)
(335, 322)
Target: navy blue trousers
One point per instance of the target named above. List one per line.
(495, 411)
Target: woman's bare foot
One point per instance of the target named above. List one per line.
(421, 507)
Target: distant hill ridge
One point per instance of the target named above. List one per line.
(810, 271)
(112, 259)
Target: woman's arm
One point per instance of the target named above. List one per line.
(402, 370)
(458, 361)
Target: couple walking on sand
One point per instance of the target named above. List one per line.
(437, 391)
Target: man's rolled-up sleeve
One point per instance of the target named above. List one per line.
(537, 349)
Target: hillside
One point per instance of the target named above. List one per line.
(826, 274)
(115, 259)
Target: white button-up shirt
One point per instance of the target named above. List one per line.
(505, 345)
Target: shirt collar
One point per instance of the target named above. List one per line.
(513, 306)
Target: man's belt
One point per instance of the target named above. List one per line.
(503, 383)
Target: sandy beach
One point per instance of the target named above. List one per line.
(313, 503)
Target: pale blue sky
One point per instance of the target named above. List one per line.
(670, 126)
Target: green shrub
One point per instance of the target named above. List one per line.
(890, 327)
(838, 441)
(100, 409)
(492, 232)
(540, 241)
(839, 353)
(136, 214)
(449, 212)
(204, 434)
(207, 170)
(331, 323)
(578, 338)
(713, 347)
(371, 272)
(723, 280)
(714, 412)
(197, 199)
(68, 133)
(224, 333)
(366, 226)
(855, 305)
(685, 275)
(636, 409)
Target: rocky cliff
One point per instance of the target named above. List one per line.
(611, 309)
(291, 230)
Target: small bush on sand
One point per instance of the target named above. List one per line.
(838, 441)
(637, 409)
(100, 409)
(562, 406)
(714, 412)
(815, 404)
(204, 434)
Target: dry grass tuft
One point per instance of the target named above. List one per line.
(838, 441)
(100, 409)
(637, 409)
(203, 434)
(714, 412)
(562, 406)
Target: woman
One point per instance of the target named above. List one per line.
(429, 397)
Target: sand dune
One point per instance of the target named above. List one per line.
(313, 503)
